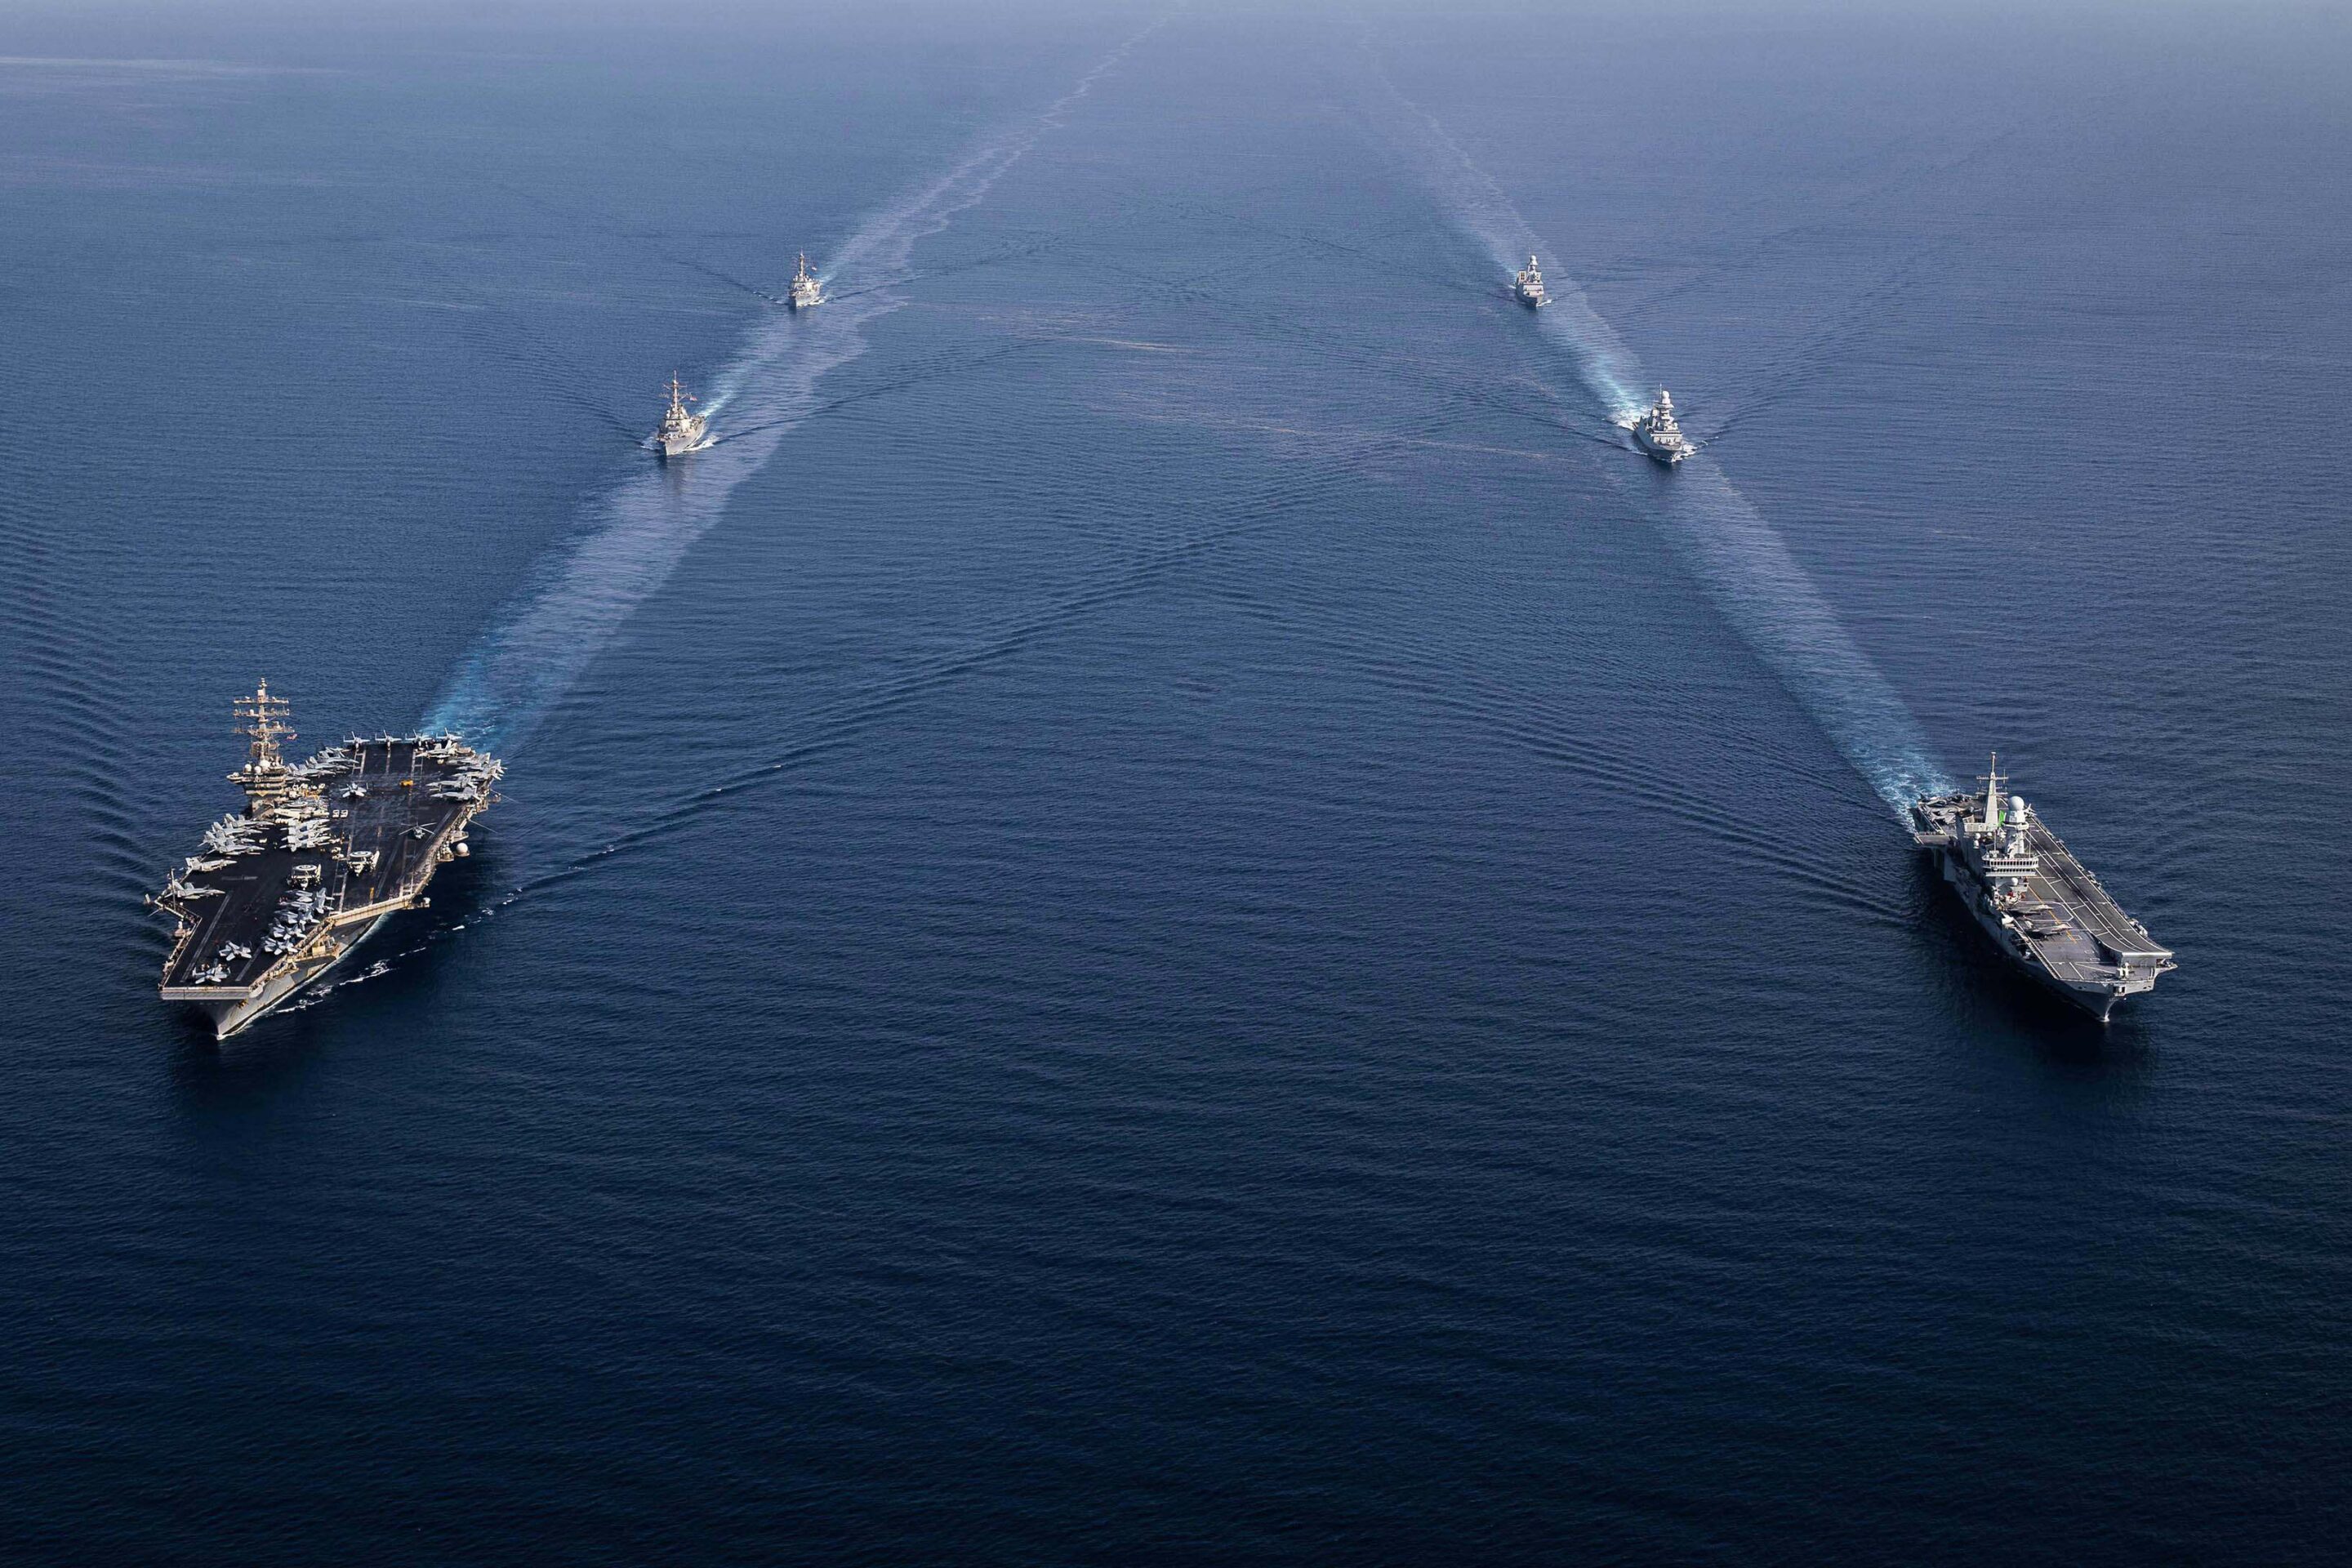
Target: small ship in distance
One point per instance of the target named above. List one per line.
(325, 851)
(2042, 908)
(681, 432)
(1528, 287)
(806, 292)
(1656, 433)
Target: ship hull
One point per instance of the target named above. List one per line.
(231, 1018)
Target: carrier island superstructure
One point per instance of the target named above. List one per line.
(2042, 908)
(324, 852)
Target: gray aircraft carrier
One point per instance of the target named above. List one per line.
(325, 851)
(2045, 912)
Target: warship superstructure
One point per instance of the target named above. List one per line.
(807, 292)
(1528, 287)
(1657, 433)
(2040, 908)
(680, 431)
(324, 852)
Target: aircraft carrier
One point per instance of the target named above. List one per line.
(325, 851)
(2040, 908)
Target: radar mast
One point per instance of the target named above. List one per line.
(262, 720)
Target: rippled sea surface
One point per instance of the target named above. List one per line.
(1169, 910)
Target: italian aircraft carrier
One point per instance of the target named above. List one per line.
(2040, 908)
(325, 851)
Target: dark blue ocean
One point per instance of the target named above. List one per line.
(1169, 910)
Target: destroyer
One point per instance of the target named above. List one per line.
(1528, 287)
(680, 432)
(2035, 900)
(325, 851)
(807, 292)
(1655, 430)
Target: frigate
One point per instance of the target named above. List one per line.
(680, 431)
(324, 852)
(1657, 433)
(807, 290)
(2040, 908)
(1528, 287)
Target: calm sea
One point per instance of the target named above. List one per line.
(1169, 910)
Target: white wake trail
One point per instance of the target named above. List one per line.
(1741, 559)
(516, 671)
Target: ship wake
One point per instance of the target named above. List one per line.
(636, 533)
(1742, 562)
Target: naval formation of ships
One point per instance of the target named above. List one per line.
(2043, 911)
(1653, 428)
(328, 848)
(682, 430)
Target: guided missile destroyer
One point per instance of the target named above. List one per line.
(1527, 286)
(680, 431)
(807, 290)
(1655, 430)
(2040, 908)
(325, 851)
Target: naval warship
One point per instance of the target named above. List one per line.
(1528, 287)
(680, 432)
(325, 851)
(1655, 430)
(2035, 901)
(807, 290)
